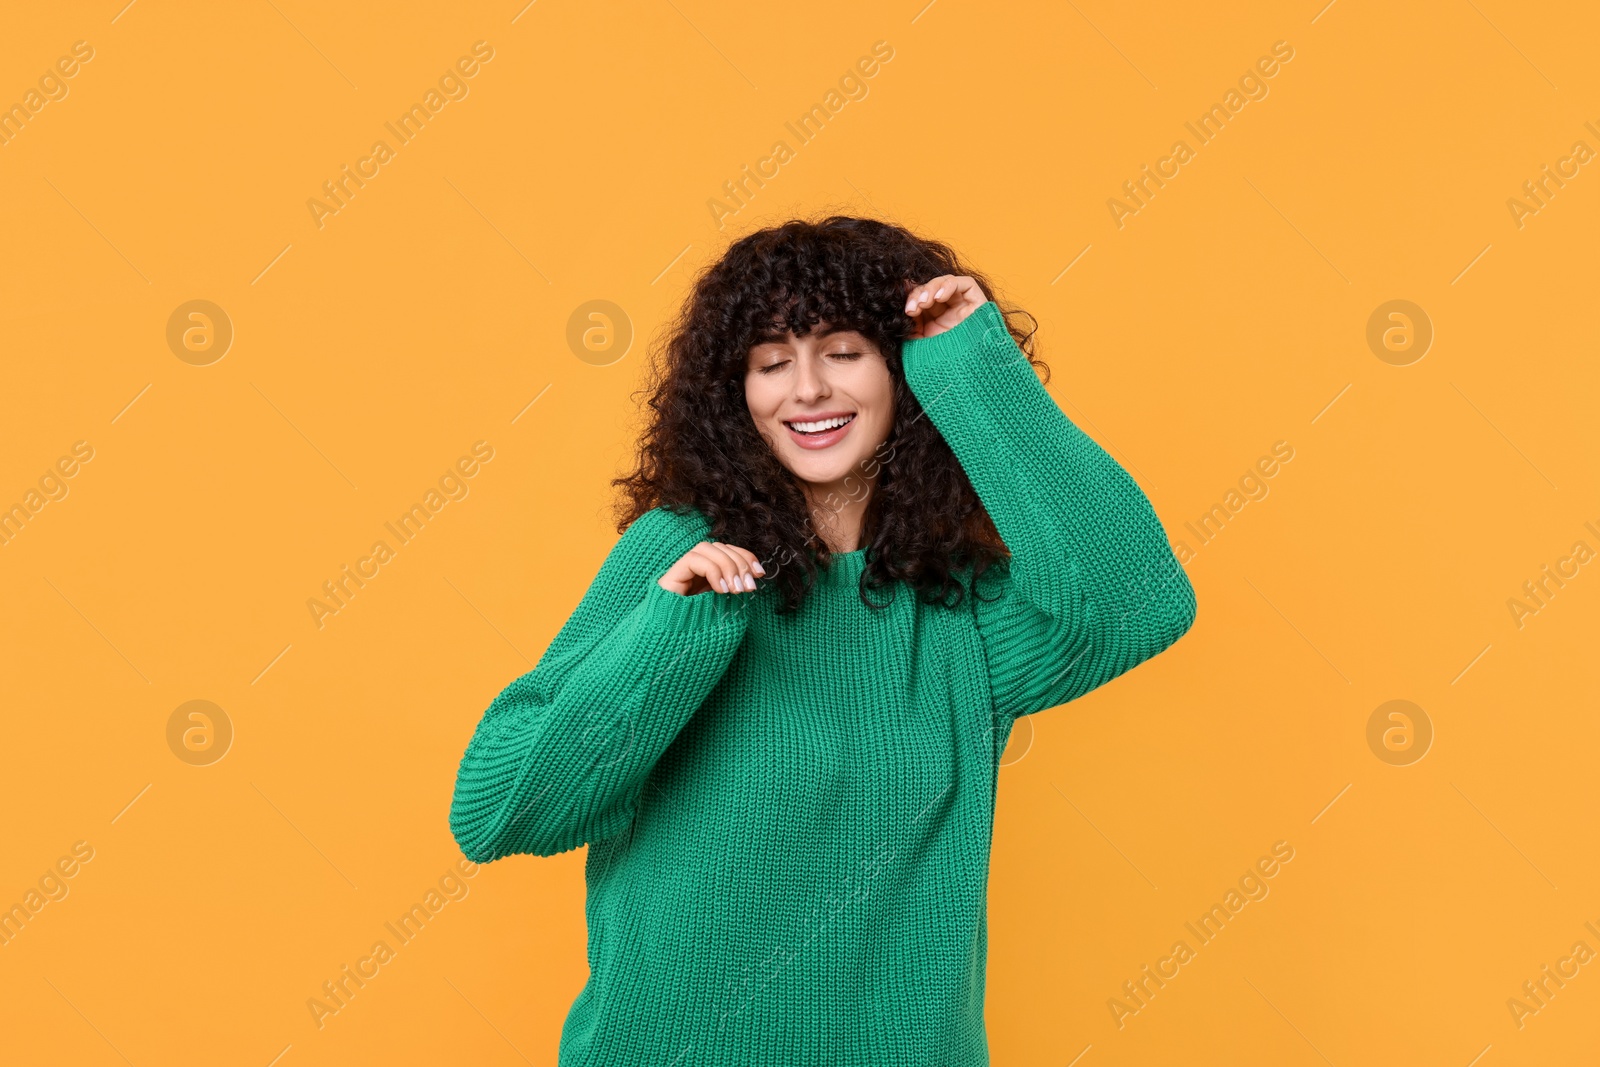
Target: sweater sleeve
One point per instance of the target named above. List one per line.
(1093, 588)
(560, 757)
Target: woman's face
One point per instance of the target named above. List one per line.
(835, 384)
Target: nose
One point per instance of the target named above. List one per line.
(810, 380)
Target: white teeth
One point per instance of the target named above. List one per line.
(825, 424)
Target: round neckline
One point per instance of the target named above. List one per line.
(848, 565)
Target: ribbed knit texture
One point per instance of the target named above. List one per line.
(789, 817)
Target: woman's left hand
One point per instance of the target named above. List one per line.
(941, 303)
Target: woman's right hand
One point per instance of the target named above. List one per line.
(716, 566)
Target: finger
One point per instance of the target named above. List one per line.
(733, 567)
(783, 555)
(751, 558)
(698, 570)
(912, 296)
(920, 307)
(733, 572)
(711, 563)
(687, 567)
(929, 312)
(969, 294)
(924, 312)
(745, 561)
(918, 300)
(746, 576)
(925, 294)
(728, 568)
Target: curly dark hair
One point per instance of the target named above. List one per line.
(924, 523)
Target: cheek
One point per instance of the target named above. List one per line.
(881, 428)
(762, 401)
(878, 390)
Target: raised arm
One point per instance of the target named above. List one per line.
(1095, 590)
(561, 755)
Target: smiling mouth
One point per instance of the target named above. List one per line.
(821, 426)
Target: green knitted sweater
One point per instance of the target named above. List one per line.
(789, 816)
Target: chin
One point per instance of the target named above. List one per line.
(808, 468)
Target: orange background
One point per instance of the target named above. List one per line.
(1229, 313)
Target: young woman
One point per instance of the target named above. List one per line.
(860, 542)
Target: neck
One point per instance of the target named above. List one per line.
(838, 510)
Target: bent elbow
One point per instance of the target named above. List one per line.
(477, 852)
(1168, 609)
(1181, 609)
(472, 826)
(1168, 620)
(1186, 607)
(542, 825)
(484, 827)
(482, 841)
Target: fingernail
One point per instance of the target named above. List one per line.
(939, 295)
(760, 569)
(723, 582)
(749, 582)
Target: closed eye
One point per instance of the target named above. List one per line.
(770, 367)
